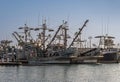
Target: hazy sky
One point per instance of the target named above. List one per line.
(103, 15)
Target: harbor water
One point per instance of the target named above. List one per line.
(61, 73)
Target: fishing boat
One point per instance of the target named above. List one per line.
(55, 50)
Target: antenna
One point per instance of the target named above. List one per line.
(45, 21)
(102, 25)
(108, 25)
(48, 21)
(39, 20)
(42, 19)
(68, 20)
(26, 21)
(63, 21)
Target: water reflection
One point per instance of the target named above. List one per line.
(58, 73)
(61, 73)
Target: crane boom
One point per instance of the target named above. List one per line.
(19, 36)
(54, 35)
(20, 42)
(80, 30)
(15, 37)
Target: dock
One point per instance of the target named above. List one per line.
(10, 63)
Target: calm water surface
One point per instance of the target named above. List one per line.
(61, 73)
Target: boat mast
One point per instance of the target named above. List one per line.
(27, 32)
(65, 34)
(44, 33)
(43, 36)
